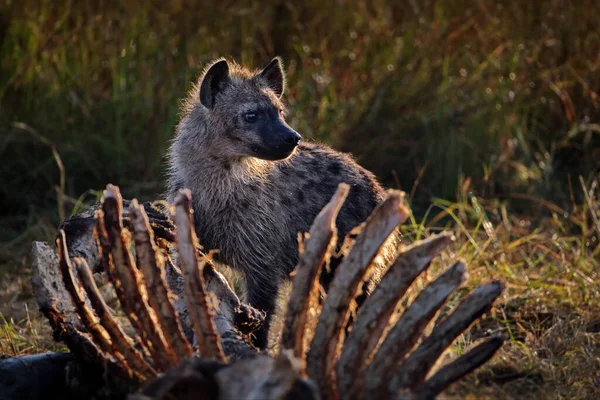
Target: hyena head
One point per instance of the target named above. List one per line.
(242, 111)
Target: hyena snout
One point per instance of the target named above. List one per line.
(290, 137)
(278, 142)
(288, 140)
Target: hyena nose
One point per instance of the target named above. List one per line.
(291, 138)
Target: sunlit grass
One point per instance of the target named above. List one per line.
(502, 94)
(486, 113)
(548, 311)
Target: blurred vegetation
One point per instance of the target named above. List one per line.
(500, 96)
(486, 112)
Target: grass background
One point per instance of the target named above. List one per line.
(487, 113)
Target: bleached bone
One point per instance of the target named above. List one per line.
(375, 360)
(201, 305)
(345, 287)
(305, 291)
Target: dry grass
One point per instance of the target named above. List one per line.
(23, 330)
(550, 311)
(502, 93)
(505, 95)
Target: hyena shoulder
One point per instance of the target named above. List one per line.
(255, 183)
(308, 180)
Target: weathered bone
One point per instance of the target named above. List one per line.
(375, 359)
(49, 288)
(152, 264)
(56, 304)
(410, 326)
(412, 372)
(320, 243)
(201, 309)
(233, 320)
(345, 287)
(87, 316)
(374, 315)
(120, 341)
(457, 369)
(130, 285)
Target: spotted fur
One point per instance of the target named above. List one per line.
(252, 206)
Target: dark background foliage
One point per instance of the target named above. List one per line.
(497, 98)
(486, 112)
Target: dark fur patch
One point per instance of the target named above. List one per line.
(287, 201)
(334, 168)
(245, 203)
(252, 209)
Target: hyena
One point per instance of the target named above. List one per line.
(255, 183)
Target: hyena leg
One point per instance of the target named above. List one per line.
(263, 296)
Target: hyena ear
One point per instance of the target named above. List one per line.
(274, 76)
(213, 81)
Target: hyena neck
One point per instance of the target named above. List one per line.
(213, 179)
(232, 171)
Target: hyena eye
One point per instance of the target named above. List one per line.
(251, 117)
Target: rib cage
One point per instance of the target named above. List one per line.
(190, 331)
